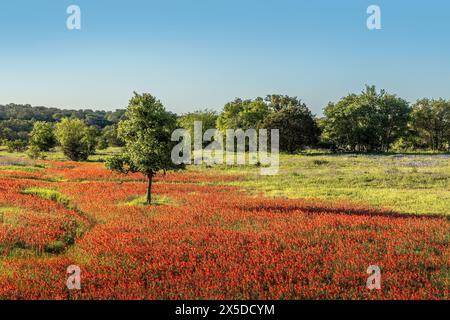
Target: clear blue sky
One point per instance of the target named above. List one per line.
(202, 53)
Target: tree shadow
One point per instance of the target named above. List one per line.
(313, 209)
(373, 153)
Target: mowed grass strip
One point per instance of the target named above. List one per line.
(157, 200)
(49, 194)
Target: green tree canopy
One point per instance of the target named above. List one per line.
(370, 121)
(207, 117)
(42, 136)
(243, 114)
(431, 122)
(296, 125)
(72, 135)
(111, 136)
(18, 119)
(92, 138)
(276, 102)
(146, 132)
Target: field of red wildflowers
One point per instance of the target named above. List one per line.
(207, 242)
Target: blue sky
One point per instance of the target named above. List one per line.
(196, 54)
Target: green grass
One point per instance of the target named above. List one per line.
(9, 209)
(19, 168)
(156, 201)
(8, 215)
(57, 155)
(417, 184)
(49, 194)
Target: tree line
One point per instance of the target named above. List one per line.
(371, 121)
(16, 121)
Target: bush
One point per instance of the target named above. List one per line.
(71, 229)
(55, 247)
(35, 153)
(370, 121)
(42, 137)
(102, 143)
(297, 126)
(73, 136)
(16, 146)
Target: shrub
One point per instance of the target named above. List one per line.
(16, 146)
(35, 153)
(55, 247)
(73, 136)
(42, 137)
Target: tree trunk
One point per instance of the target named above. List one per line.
(149, 189)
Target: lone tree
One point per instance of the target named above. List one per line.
(146, 132)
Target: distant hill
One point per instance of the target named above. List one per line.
(16, 120)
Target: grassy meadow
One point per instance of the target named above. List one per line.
(413, 183)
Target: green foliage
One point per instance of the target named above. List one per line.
(243, 114)
(295, 122)
(42, 136)
(102, 143)
(75, 139)
(7, 133)
(16, 121)
(71, 230)
(110, 135)
(15, 129)
(365, 122)
(92, 139)
(16, 145)
(55, 247)
(207, 117)
(146, 132)
(121, 163)
(277, 102)
(370, 121)
(288, 114)
(431, 122)
(35, 153)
